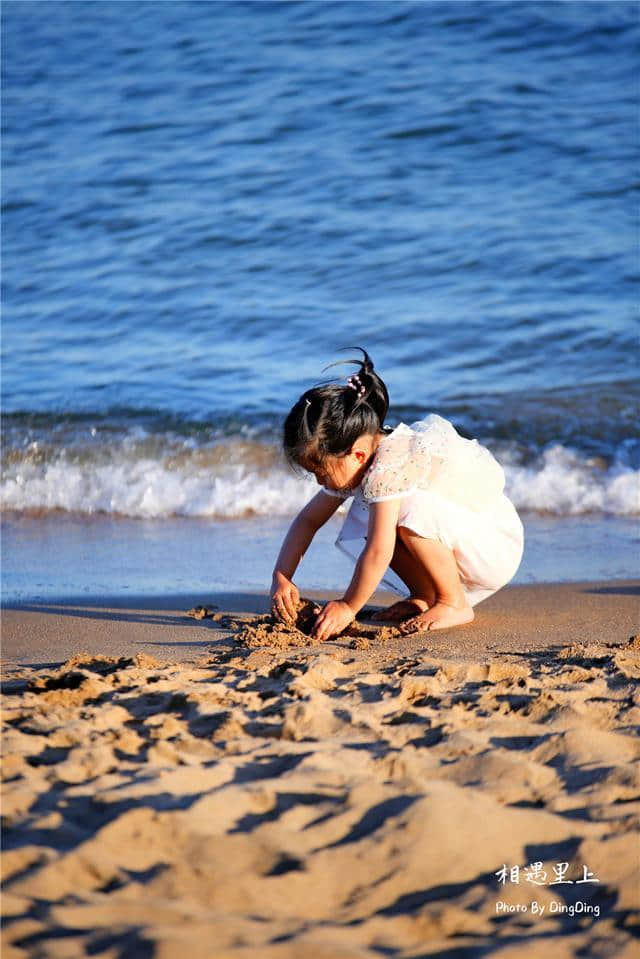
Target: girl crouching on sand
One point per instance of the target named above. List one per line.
(427, 503)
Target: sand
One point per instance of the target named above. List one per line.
(182, 786)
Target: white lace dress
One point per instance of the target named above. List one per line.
(451, 490)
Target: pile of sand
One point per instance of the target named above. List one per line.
(319, 803)
(273, 633)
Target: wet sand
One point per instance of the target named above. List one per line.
(174, 784)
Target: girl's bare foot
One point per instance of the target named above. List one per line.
(442, 616)
(403, 609)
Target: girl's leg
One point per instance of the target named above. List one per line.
(434, 560)
(417, 580)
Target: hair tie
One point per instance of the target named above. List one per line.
(355, 383)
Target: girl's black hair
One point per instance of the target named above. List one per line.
(329, 418)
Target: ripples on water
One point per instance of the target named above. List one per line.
(204, 201)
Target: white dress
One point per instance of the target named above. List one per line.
(451, 490)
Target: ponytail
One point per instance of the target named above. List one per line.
(369, 388)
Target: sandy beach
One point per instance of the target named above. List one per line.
(175, 785)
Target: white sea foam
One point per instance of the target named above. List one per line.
(236, 482)
(562, 482)
(146, 488)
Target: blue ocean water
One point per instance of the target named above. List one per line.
(203, 203)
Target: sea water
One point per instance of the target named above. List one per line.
(205, 203)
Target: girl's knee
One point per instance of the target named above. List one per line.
(427, 549)
(404, 534)
(409, 537)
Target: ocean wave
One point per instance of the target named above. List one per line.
(562, 482)
(153, 479)
(150, 476)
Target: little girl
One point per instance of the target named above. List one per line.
(427, 503)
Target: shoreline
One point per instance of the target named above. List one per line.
(99, 556)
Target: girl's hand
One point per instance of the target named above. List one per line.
(335, 617)
(284, 598)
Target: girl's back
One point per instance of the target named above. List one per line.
(431, 455)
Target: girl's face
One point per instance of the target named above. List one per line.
(338, 473)
(344, 473)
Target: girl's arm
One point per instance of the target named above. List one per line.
(304, 527)
(370, 568)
